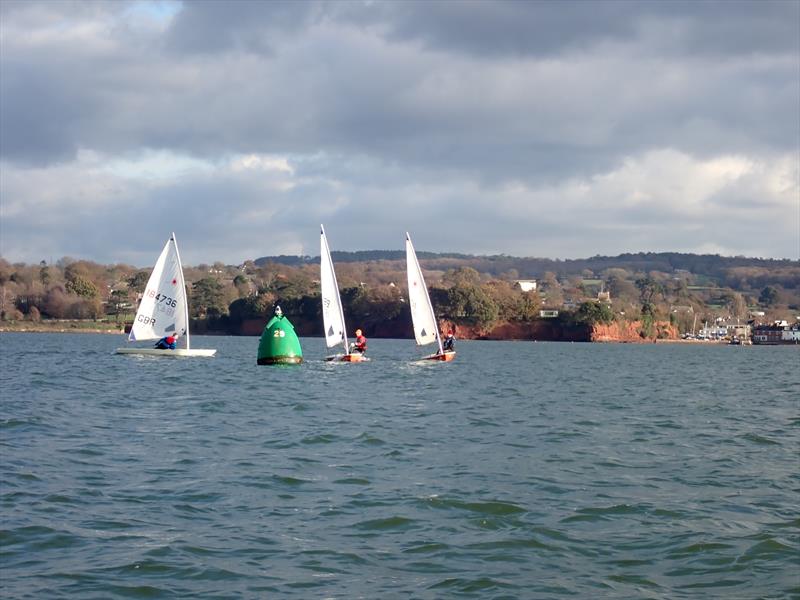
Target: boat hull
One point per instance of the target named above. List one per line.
(446, 356)
(178, 352)
(354, 357)
(280, 360)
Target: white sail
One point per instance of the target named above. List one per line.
(332, 313)
(426, 330)
(163, 309)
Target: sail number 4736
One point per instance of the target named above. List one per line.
(162, 298)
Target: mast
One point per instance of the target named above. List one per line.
(183, 288)
(326, 251)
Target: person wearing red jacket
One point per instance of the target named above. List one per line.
(167, 342)
(360, 344)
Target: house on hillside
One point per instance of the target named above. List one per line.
(681, 309)
(526, 285)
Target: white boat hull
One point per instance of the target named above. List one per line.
(170, 353)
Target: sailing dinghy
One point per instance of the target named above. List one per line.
(426, 330)
(164, 309)
(332, 313)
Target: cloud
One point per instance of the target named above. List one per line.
(549, 28)
(543, 128)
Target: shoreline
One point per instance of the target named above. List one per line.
(76, 327)
(60, 327)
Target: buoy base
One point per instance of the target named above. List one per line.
(280, 360)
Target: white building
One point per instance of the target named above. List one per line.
(526, 285)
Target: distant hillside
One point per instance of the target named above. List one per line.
(711, 265)
(360, 256)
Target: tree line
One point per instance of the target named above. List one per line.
(373, 291)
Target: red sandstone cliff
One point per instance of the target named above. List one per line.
(540, 330)
(534, 330)
(545, 330)
(626, 331)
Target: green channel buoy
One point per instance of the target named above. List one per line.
(279, 344)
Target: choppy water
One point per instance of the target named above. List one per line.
(521, 470)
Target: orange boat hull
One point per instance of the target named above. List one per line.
(444, 357)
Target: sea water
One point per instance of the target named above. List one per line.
(520, 470)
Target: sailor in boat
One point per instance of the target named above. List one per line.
(360, 345)
(167, 342)
(449, 343)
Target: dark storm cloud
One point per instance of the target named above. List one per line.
(549, 28)
(249, 26)
(387, 105)
(501, 28)
(495, 28)
(334, 95)
(37, 124)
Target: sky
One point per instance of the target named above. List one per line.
(535, 129)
